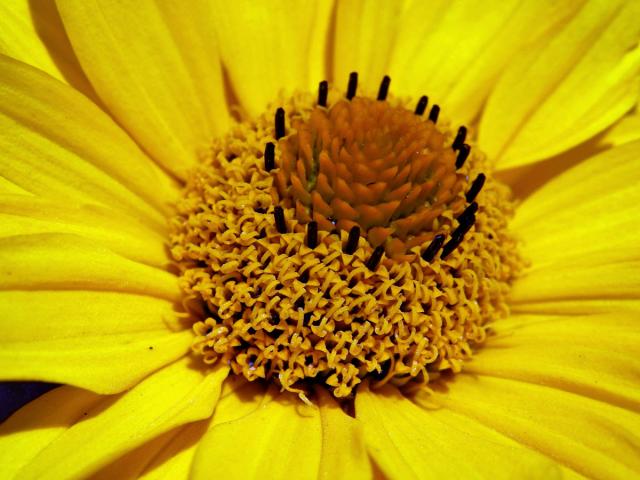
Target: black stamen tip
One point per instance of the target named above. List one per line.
(433, 248)
(279, 123)
(422, 105)
(312, 234)
(462, 155)
(456, 237)
(352, 240)
(304, 276)
(476, 186)
(468, 213)
(375, 258)
(281, 224)
(460, 138)
(384, 88)
(323, 91)
(353, 85)
(433, 114)
(269, 157)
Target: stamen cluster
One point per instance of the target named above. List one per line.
(314, 251)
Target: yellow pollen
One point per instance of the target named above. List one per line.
(324, 262)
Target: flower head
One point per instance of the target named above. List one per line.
(241, 258)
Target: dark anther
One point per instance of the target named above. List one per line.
(352, 240)
(476, 186)
(269, 157)
(433, 248)
(281, 225)
(468, 213)
(433, 114)
(304, 276)
(375, 258)
(462, 155)
(323, 91)
(384, 88)
(353, 85)
(422, 105)
(279, 123)
(456, 237)
(312, 234)
(460, 138)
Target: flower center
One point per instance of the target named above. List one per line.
(364, 241)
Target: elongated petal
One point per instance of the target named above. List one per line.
(238, 399)
(174, 460)
(625, 131)
(289, 441)
(131, 465)
(455, 51)
(58, 144)
(537, 111)
(343, 447)
(408, 442)
(65, 262)
(102, 341)
(9, 188)
(585, 306)
(172, 397)
(364, 40)
(570, 354)
(620, 281)
(583, 216)
(577, 232)
(156, 69)
(33, 33)
(592, 437)
(39, 423)
(269, 47)
(117, 231)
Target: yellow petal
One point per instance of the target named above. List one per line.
(156, 68)
(439, 52)
(567, 87)
(364, 37)
(407, 442)
(625, 131)
(64, 262)
(594, 438)
(39, 423)
(33, 34)
(289, 440)
(591, 355)
(7, 187)
(343, 447)
(177, 395)
(174, 460)
(582, 217)
(576, 231)
(59, 145)
(102, 341)
(619, 281)
(585, 306)
(272, 46)
(238, 399)
(27, 215)
(131, 465)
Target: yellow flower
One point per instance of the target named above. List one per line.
(105, 108)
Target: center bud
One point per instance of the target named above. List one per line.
(365, 163)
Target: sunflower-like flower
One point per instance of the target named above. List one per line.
(316, 240)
